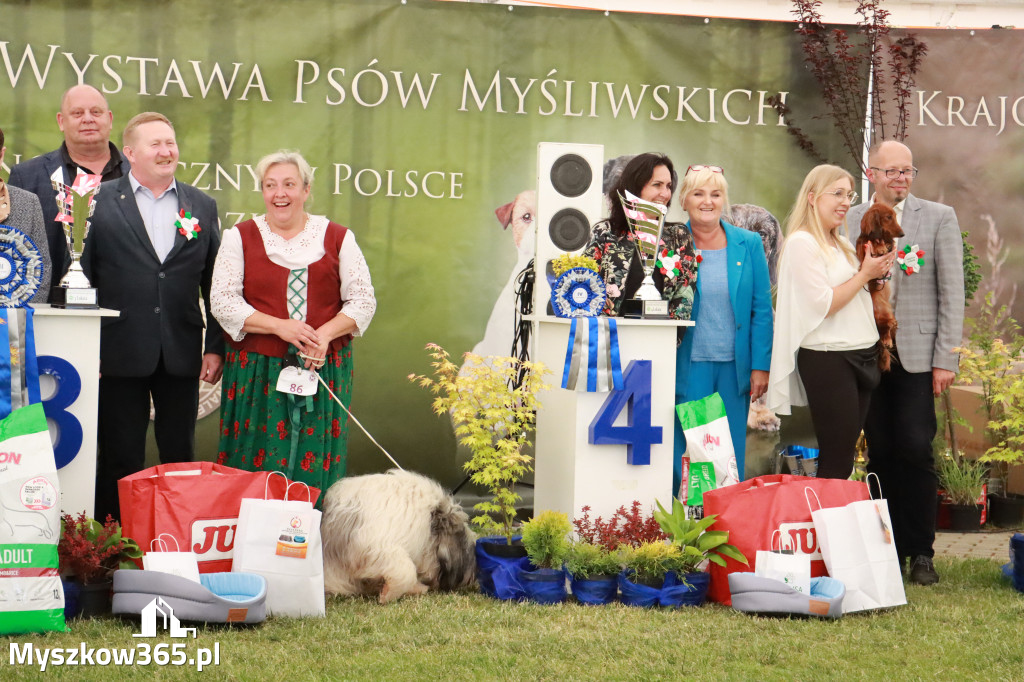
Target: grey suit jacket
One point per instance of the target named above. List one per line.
(159, 302)
(929, 304)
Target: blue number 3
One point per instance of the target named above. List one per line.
(638, 435)
(69, 386)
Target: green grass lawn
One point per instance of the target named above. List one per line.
(968, 627)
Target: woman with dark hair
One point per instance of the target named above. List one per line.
(650, 177)
(20, 210)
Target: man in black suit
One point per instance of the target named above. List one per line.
(149, 259)
(86, 120)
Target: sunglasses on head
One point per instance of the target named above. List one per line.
(699, 167)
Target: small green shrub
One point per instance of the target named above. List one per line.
(546, 538)
(585, 559)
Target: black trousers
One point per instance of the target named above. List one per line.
(123, 421)
(900, 428)
(838, 386)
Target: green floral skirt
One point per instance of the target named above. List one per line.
(262, 429)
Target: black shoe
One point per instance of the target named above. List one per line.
(922, 571)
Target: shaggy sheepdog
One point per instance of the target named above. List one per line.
(394, 534)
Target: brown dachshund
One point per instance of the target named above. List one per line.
(879, 228)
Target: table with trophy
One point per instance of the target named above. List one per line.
(605, 433)
(68, 344)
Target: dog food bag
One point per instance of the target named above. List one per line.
(31, 596)
(709, 461)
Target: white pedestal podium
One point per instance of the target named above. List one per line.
(68, 342)
(570, 471)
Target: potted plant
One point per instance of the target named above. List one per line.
(593, 571)
(697, 545)
(493, 405)
(649, 563)
(963, 481)
(995, 366)
(625, 527)
(546, 539)
(88, 553)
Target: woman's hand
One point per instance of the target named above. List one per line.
(297, 333)
(876, 267)
(758, 383)
(316, 354)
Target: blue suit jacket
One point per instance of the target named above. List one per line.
(750, 292)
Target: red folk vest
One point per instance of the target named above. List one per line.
(265, 288)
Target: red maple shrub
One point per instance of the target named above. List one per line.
(90, 551)
(625, 527)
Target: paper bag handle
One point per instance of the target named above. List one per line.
(867, 482)
(781, 549)
(266, 485)
(808, 489)
(309, 495)
(159, 539)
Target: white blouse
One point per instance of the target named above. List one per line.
(230, 307)
(807, 276)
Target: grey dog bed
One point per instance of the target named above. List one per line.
(218, 598)
(754, 594)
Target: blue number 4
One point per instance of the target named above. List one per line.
(638, 435)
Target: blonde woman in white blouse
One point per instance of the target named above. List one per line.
(289, 288)
(823, 352)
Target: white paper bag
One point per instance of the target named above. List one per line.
(857, 545)
(176, 562)
(785, 566)
(280, 540)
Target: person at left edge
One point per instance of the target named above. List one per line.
(729, 348)
(20, 209)
(151, 264)
(86, 121)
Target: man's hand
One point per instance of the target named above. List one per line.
(941, 380)
(213, 367)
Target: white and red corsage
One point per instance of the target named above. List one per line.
(911, 259)
(187, 225)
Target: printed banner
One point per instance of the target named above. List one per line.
(421, 119)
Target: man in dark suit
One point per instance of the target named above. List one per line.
(929, 305)
(149, 259)
(86, 120)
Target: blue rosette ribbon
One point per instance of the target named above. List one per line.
(21, 268)
(578, 292)
(592, 361)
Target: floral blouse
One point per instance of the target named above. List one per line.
(675, 277)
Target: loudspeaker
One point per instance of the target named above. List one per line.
(569, 201)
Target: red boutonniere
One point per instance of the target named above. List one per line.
(187, 225)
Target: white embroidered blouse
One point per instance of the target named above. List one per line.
(230, 307)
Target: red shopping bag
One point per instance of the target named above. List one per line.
(753, 510)
(196, 502)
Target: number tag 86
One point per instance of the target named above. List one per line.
(297, 381)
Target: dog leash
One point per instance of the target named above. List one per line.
(352, 416)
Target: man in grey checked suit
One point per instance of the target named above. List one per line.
(929, 307)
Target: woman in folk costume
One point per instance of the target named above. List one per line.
(290, 289)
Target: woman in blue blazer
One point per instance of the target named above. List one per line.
(729, 348)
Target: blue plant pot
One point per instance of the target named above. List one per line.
(595, 591)
(543, 585)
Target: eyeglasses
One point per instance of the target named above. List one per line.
(697, 167)
(840, 194)
(893, 173)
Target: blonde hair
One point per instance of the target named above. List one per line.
(284, 156)
(804, 214)
(140, 119)
(696, 179)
